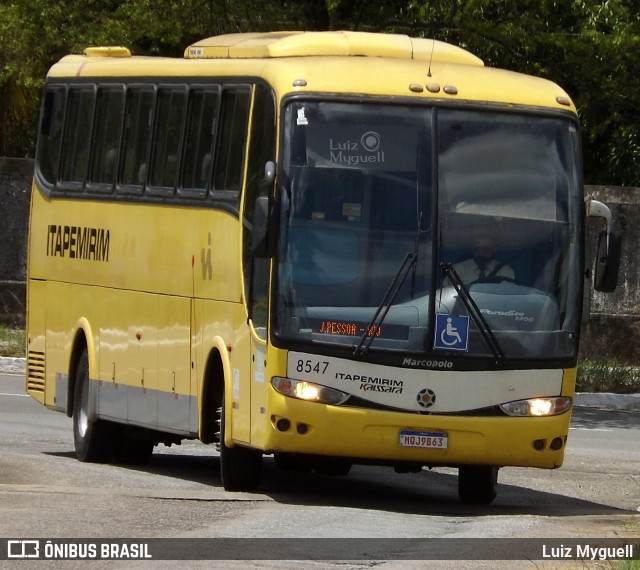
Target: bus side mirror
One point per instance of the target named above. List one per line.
(607, 262)
(262, 236)
(609, 250)
(269, 173)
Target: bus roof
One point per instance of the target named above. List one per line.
(305, 44)
(330, 62)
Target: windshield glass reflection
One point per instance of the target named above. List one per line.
(357, 201)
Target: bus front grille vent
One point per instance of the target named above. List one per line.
(35, 371)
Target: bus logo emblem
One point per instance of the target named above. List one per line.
(426, 398)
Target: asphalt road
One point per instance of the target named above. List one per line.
(46, 492)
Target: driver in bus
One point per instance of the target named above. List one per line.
(483, 266)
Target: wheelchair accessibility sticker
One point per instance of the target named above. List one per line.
(452, 332)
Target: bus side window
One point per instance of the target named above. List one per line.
(107, 125)
(137, 131)
(231, 144)
(202, 115)
(167, 136)
(77, 137)
(50, 133)
(262, 150)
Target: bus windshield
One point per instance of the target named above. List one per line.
(446, 223)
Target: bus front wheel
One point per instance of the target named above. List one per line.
(240, 467)
(92, 438)
(477, 484)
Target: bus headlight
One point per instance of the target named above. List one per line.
(304, 390)
(537, 407)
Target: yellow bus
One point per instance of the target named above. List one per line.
(330, 247)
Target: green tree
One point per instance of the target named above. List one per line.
(33, 35)
(591, 48)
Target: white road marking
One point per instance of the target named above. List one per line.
(588, 429)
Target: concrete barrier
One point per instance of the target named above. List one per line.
(613, 328)
(15, 186)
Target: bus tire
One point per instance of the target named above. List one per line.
(240, 467)
(477, 484)
(92, 438)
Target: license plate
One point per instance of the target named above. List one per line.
(425, 439)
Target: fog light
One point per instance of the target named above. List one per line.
(557, 443)
(283, 424)
(539, 444)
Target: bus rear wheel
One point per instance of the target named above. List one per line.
(240, 467)
(477, 484)
(93, 439)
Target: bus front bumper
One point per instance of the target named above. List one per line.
(297, 426)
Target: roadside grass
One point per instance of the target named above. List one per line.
(607, 375)
(629, 564)
(603, 375)
(12, 341)
(634, 563)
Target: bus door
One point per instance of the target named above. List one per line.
(259, 381)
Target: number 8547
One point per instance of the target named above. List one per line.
(309, 366)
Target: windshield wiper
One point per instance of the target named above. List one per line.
(487, 334)
(410, 263)
(383, 308)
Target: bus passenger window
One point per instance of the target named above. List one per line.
(202, 116)
(136, 139)
(167, 134)
(50, 131)
(77, 137)
(104, 154)
(230, 144)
